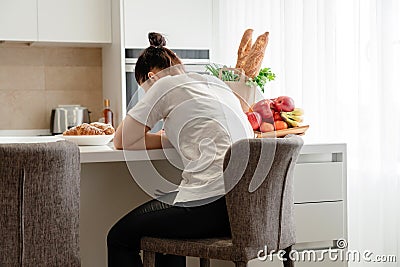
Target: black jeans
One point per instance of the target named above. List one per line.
(157, 219)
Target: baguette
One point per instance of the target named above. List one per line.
(244, 48)
(256, 55)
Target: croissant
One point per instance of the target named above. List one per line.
(84, 129)
(106, 128)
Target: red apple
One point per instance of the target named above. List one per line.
(272, 104)
(277, 116)
(263, 107)
(284, 103)
(254, 119)
(266, 127)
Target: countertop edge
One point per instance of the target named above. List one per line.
(109, 154)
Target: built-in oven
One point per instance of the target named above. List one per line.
(195, 60)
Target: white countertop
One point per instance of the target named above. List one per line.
(91, 154)
(107, 153)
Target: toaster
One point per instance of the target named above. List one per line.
(65, 117)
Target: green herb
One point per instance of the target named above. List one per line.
(226, 75)
(263, 76)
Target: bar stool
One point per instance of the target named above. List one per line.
(39, 204)
(258, 219)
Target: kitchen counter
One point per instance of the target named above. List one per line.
(91, 154)
(107, 153)
(109, 189)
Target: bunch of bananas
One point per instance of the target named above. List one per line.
(293, 118)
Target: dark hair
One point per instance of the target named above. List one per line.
(155, 56)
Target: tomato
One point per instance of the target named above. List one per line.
(280, 125)
(277, 116)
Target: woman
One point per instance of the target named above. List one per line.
(202, 118)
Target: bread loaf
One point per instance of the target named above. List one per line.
(255, 57)
(244, 48)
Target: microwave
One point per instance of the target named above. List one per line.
(194, 60)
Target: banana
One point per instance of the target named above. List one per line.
(296, 118)
(294, 123)
(298, 112)
(291, 122)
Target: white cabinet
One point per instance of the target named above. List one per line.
(185, 23)
(317, 222)
(76, 21)
(326, 176)
(71, 21)
(18, 20)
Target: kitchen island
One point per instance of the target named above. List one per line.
(108, 191)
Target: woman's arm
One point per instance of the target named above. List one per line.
(133, 135)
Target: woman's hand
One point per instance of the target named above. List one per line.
(165, 143)
(133, 135)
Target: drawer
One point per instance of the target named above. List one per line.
(319, 221)
(315, 182)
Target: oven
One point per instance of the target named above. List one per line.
(195, 60)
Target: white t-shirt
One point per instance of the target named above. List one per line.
(202, 118)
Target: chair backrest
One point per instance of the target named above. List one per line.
(39, 204)
(258, 176)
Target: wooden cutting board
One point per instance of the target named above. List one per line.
(281, 133)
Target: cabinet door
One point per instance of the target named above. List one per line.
(317, 222)
(185, 23)
(81, 21)
(316, 182)
(18, 20)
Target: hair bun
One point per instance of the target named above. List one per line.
(156, 39)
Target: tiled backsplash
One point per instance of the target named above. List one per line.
(33, 80)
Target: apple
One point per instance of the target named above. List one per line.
(284, 103)
(272, 104)
(266, 127)
(277, 116)
(263, 107)
(254, 119)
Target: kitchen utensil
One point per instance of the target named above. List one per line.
(67, 116)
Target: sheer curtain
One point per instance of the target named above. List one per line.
(340, 61)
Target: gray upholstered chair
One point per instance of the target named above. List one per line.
(39, 204)
(259, 201)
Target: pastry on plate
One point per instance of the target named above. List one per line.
(84, 129)
(106, 128)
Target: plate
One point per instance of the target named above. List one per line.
(88, 140)
(281, 133)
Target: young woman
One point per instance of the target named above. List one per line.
(202, 118)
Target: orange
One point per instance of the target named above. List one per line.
(280, 125)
